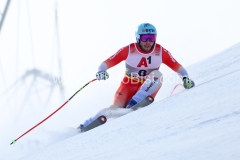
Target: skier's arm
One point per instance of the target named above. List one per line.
(118, 57)
(110, 62)
(182, 72)
(168, 59)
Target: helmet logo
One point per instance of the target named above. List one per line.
(148, 30)
(146, 25)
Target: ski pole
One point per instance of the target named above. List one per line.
(14, 141)
(175, 88)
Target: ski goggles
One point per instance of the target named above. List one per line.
(145, 37)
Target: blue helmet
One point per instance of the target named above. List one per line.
(145, 28)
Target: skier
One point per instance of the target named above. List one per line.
(142, 77)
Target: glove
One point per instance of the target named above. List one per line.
(188, 83)
(102, 75)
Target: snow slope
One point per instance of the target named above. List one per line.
(200, 123)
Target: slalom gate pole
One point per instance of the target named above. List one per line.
(14, 141)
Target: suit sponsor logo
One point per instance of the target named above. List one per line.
(157, 53)
(152, 83)
(113, 56)
(119, 93)
(170, 55)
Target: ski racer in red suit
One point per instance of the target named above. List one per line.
(142, 77)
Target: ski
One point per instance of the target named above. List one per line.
(102, 119)
(97, 122)
(145, 102)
